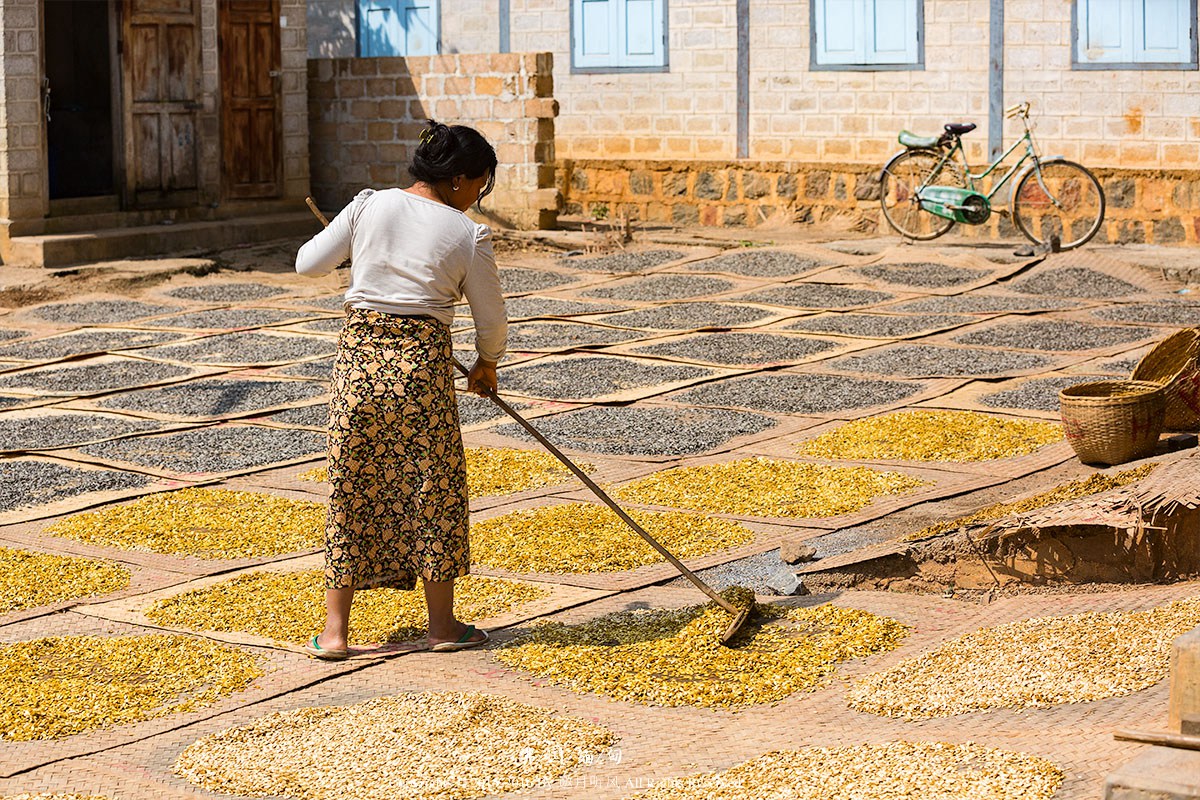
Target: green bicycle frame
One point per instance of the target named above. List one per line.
(972, 177)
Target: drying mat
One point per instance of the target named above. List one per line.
(879, 325)
(319, 369)
(324, 326)
(904, 360)
(98, 310)
(313, 417)
(132, 610)
(632, 262)
(815, 296)
(539, 307)
(205, 452)
(901, 272)
(210, 399)
(1051, 334)
(813, 394)
(1163, 311)
(15, 402)
(88, 341)
(749, 349)
(775, 263)
(692, 316)
(982, 302)
(609, 379)
(284, 674)
(38, 487)
(1027, 397)
(322, 302)
(229, 319)
(554, 337)
(229, 292)
(518, 280)
(665, 286)
(98, 375)
(248, 348)
(1088, 275)
(46, 428)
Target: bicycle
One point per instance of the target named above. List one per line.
(924, 191)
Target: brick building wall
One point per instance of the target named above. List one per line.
(22, 157)
(366, 114)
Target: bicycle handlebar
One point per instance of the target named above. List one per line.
(1019, 110)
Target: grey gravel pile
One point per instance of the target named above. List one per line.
(929, 276)
(245, 348)
(226, 318)
(321, 369)
(65, 430)
(214, 397)
(752, 572)
(1060, 335)
(523, 307)
(848, 540)
(81, 342)
(740, 348)
(817, 295)
(216, 449)
(309, 416)
(34, 483)
(589, 377)
(1185, 315)
(688, 316)
(979, 304)
(521, 281)
(798, 394)
(226, 292)
(876, 325)
(634, 431)
(100, 311)
(661, 287)
(622, 262)
(325, 325)
(525, 336)
(1076, 282)
(932, 361)
(94, 378)
(758, 264)
(1039, 394)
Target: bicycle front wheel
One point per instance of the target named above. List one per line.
(898, 185)
(1062, 200)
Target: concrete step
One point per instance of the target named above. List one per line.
(109, 244)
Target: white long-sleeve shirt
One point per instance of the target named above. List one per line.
(411, 255)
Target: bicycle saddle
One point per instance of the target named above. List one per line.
(959, 128)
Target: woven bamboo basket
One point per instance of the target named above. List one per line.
(1111, 422)
(1175, 363)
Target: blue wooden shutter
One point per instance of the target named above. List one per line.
(397, 27)
(840, 31)
(641, 26)
(420, 27)
(619, 33)
(595, 33)
(1162, 31)
(893, 32)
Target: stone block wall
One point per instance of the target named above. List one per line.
(22, 153)
(366, 114)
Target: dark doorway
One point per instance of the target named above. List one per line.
(79, 131)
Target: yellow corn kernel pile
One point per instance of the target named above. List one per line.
(932, 436)
(582, 537)
(1072, 490)
(290, 607)
(875, 772)
(28, 580)
(765, 487)
(674, 658)
(1035, 663)
(207, 523)
(414, 746)
(493, 471)
(61, 686)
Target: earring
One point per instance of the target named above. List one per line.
(454, 187)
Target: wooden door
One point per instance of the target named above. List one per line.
(161, 91)
(251, 119)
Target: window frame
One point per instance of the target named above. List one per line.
(436, 8)
(1078, 64)
(596, 69)
(918, 65)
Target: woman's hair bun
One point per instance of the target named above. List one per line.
(445, 151)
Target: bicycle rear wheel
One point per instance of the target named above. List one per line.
(1066, 202)
(898, 185)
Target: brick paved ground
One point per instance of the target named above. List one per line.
(135, 761)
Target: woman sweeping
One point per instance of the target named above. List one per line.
(398, 509)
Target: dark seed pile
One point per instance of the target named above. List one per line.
(65, 430)
(226, 318)
(798, 394)
(26, 483)
(817, 295)
(226, 292)
(321, 369)
(473, 409)
(309, 416)
(1039, 394)
(214, 397)
(81, 342)
(335, 302)
(876, 325)
(931, 361)
(10, 402)
(9, 333)
(929, 276)
(979, 304)
(1076, 282)
(661, 287)
(100, 311)
(521, 281)
(94, 378)
(553, 336)
(758, 264)
(1185, 315)
(588, 377)
(634, 431)
(217, 449)
(1123, 366)
(1061, 335)
(246, 348)
(621, 262)
(524, 307)
(740, 348)
(325, 325)
(688, 316)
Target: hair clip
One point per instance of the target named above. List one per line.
(426, 135)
